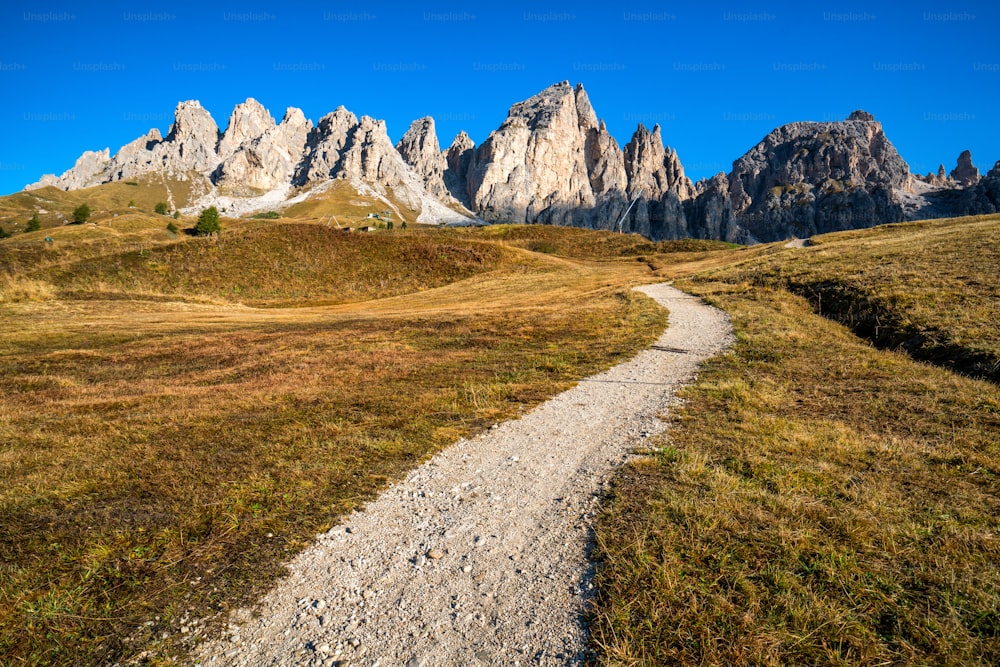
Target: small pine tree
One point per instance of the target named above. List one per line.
(402, 225)
(131, 203)
(34, 224)
(171, 227)
(4, 234)
(81, 214)
(160, 208)
(208, 222)
(388, 225)
(177, 215)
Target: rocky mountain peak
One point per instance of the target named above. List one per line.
(458, 159)
(248, 121)
(534, 167)
(653, 169)
(420, 149)
(193, 122)
(266, 155)
(294, 116)
(965, 173)
(807, 178)
(586, 117)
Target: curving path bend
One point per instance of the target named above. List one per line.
(479, 557)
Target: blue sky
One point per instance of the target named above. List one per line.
(717, 77)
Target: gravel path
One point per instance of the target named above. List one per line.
(479, 556)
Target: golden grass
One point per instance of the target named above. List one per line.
(818, 500)
(106, 200)
(339, 203)
(163, 457)
(932, 288)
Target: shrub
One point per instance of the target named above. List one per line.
(160, 208)
(177, 215)
(208, 222)
(81, 214)
(267, 215)
(4, 234)
(131, 203)
(34, 224)
(171, 227)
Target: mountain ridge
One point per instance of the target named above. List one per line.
(552, 161)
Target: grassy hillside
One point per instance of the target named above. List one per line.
(171, 430)
(932, 288)
(350, 208)
(162, 455)
(55, 207)
(272, 264)
(818, 500)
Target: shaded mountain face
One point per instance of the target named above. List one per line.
(809, 178)
(553, 161)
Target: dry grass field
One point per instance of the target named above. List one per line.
(169, 440)
(179, 415)
(819, 500)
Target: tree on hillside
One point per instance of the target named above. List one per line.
(160, 208)
(34, 224)
(208, 222)
(81, 214)
(172, 228)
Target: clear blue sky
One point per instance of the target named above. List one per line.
(717, 77)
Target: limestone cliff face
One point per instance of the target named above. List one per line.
(533, 167)
(248, 121)
(324, 146)
(266, 161)
(420, 149)
(809, 178)
(981, 198)
(360, 151)
(710, 212)
(657, 185)
(553, 162)
(458, 157)
(89, 170)
(134, 158)
(191, 142)
(190, 145)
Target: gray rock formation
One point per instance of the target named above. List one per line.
(657, 183)
(248, 121)
(360, 151)
(88, 171)
(981, 198)
(553, 162)
(191, 142)
(809, 178)
(710, 212)
(420, 149)
(135, 158)
(532, 168)
(965, 173)
(266, 162)
(458, 157)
